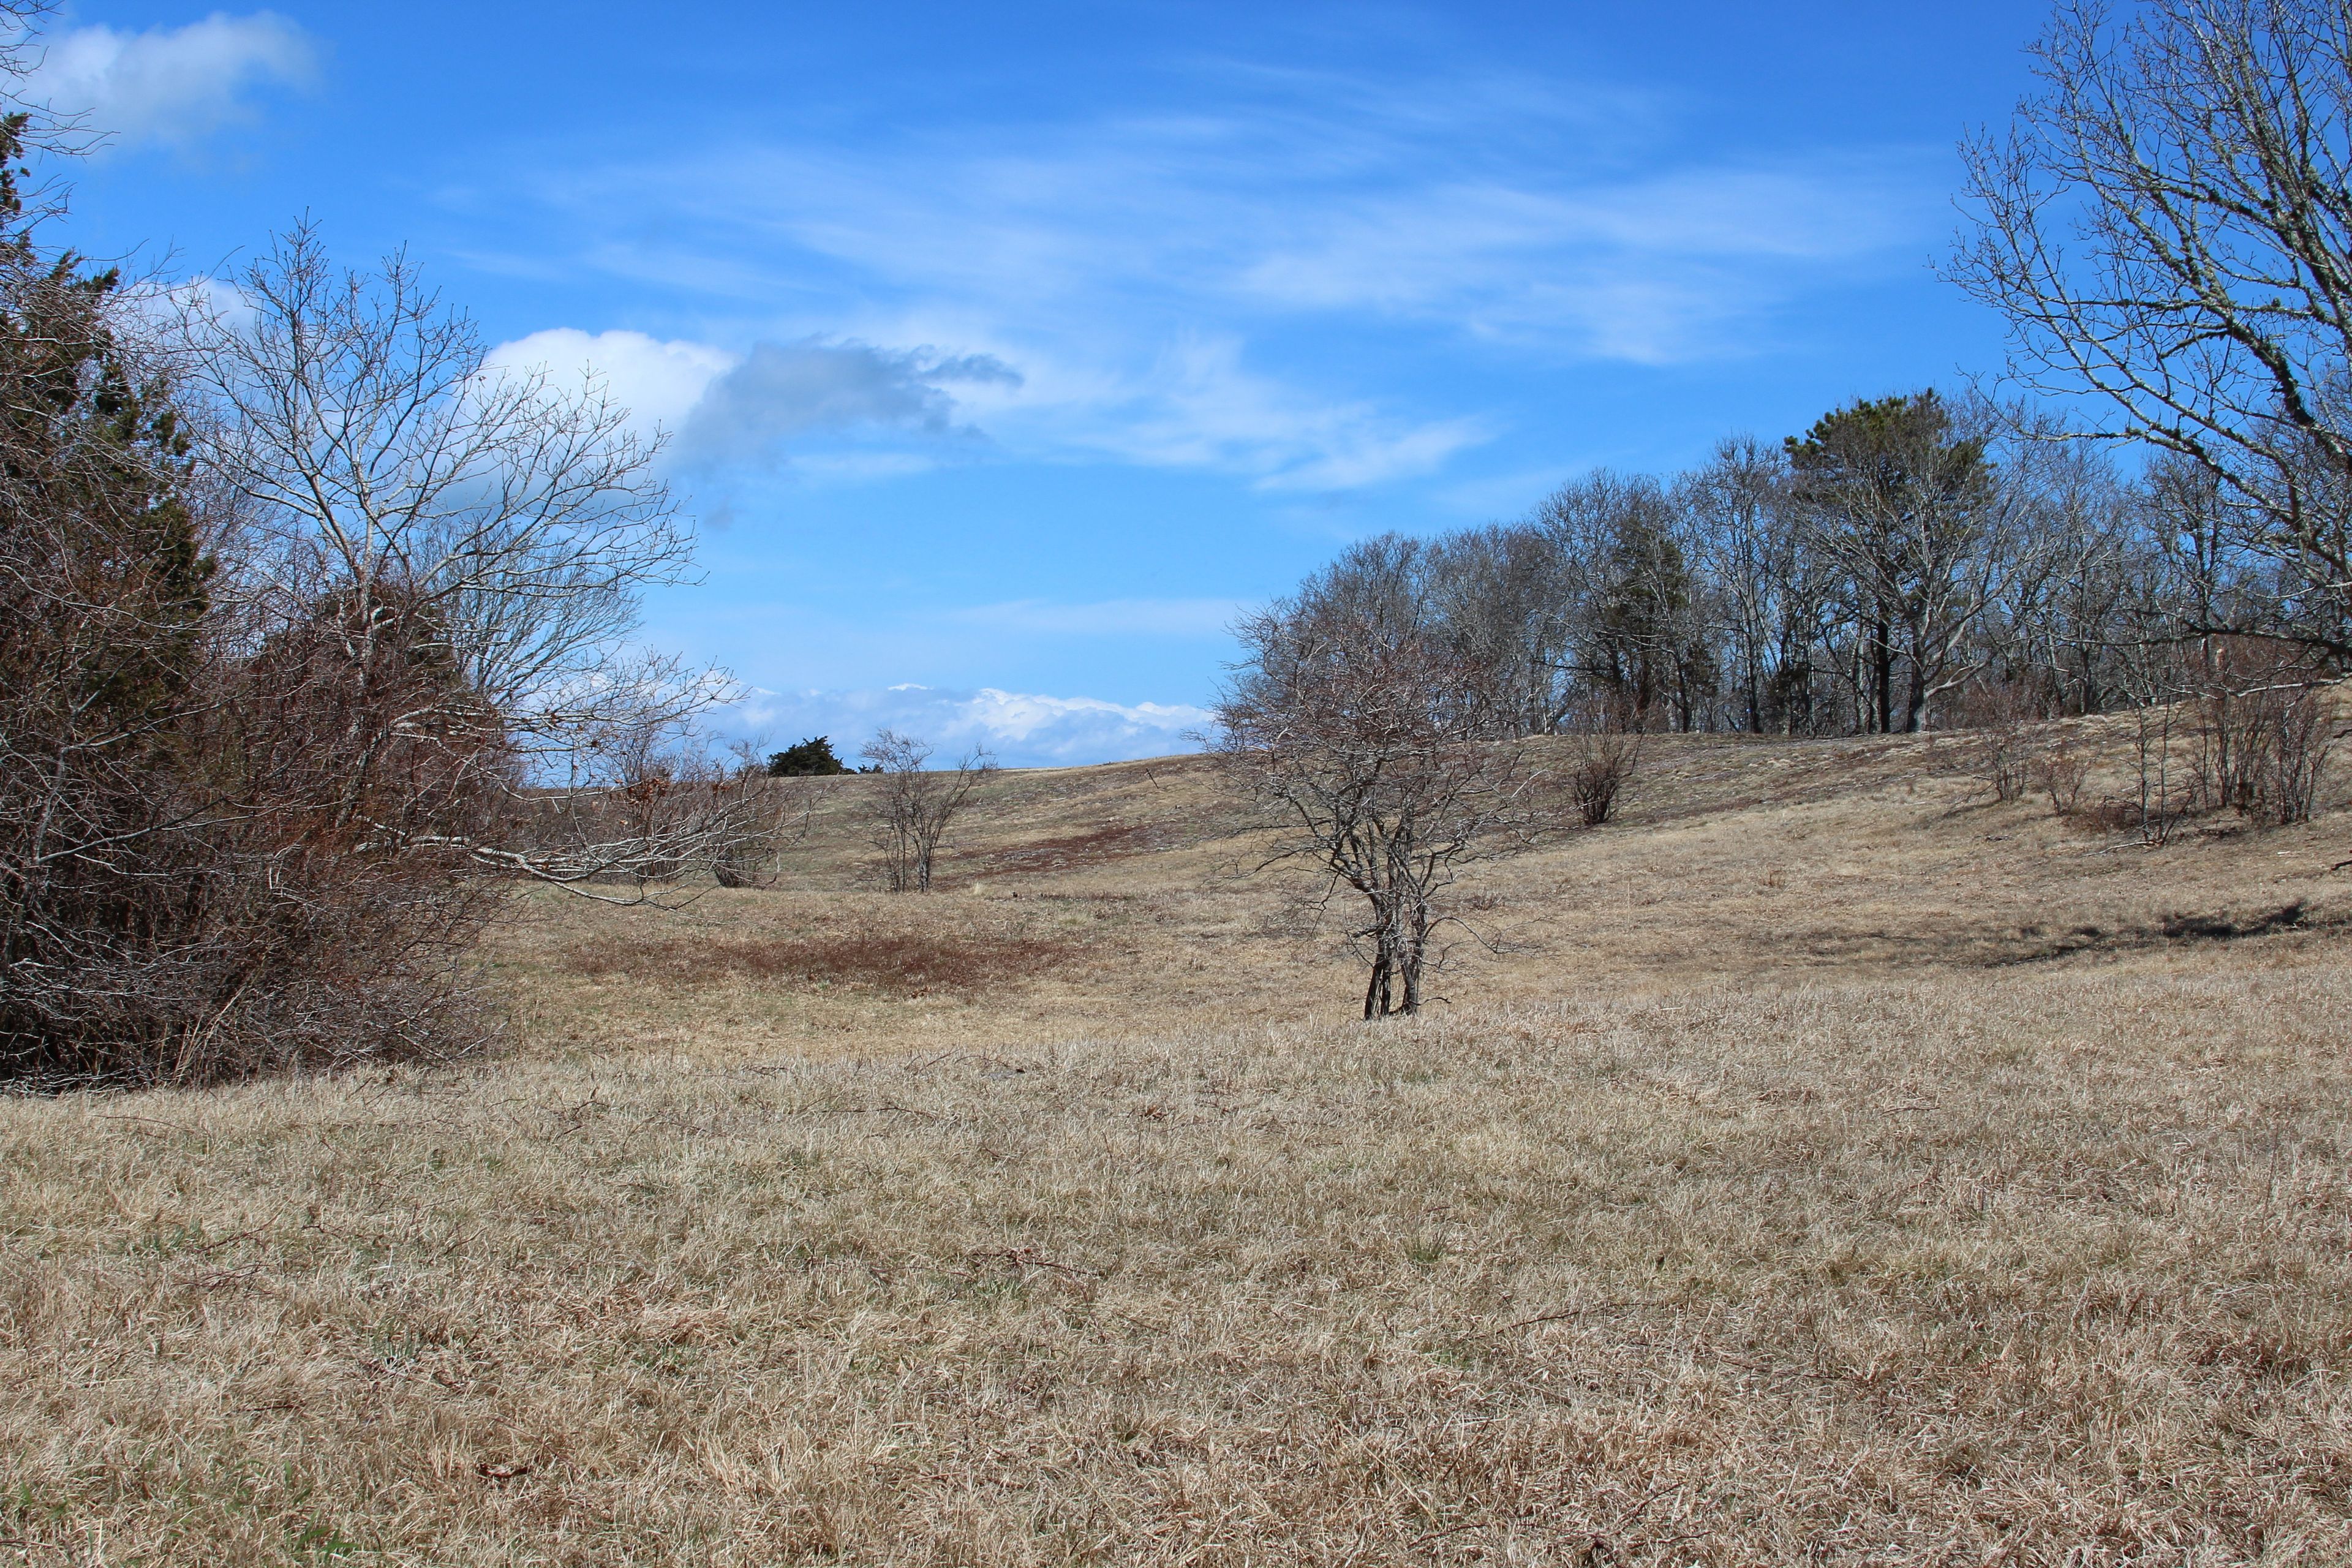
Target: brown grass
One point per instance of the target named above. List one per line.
(1804, 1184)
(913, 962)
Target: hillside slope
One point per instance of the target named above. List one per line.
(1830, 1166)
(1113, 897)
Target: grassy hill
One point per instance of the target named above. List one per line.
(1822, 1162)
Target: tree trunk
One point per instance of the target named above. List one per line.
(1416, 951)
(1376, 994)
(1881, 674)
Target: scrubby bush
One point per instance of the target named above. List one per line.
(2060, 770)
(1606, 759)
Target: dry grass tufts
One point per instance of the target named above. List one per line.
(1964, 1270)
(914, 963)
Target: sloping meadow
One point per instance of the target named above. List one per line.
(2032, 1265)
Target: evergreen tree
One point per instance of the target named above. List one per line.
(1899, 496)
(811, 759)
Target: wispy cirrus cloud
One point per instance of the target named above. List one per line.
(172, 85)
(1155, 286)
(1651, 270)
(1487, 206)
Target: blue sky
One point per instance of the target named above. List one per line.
(1006, 348)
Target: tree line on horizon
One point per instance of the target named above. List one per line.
(1910, 562)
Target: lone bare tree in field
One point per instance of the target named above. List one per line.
(917, 806)
(2167, 228)
(1389, 766)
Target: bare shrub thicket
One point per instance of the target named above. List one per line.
(2260, 733)
(2007, 760)
(371, 453)
(1388, 769)
(2005, 748)
(310, 632)
(2157, 799)
(2303, 737)
(2061, 770)
(2222, 724)
(2165, 797)
(2016, 753)
(914, 807)
(1608, 752)
(664, 810)
(227, 822)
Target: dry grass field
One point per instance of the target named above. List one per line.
(1830, 1165)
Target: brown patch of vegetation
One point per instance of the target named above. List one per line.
(1121, 841)
(2220, 926)
(916, 962)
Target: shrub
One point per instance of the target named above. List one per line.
(275, 725)
(2006, 760)
(2300, 737)
(1604, 767)
(2261, 736)
(2060, 772)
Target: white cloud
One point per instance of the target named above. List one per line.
(171, 84)
(781, 391)
(1020, 729)
(722, 408)
(657, 380)
(1197, 405)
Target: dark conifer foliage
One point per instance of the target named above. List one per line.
(811, 758)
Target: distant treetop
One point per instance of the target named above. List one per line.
(810, 759)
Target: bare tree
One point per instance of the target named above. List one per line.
(1389, 765)
(1509, 598)
(916, 805)
(2167, 228)
(312, 629)
(1747, 538)
(373, 458)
